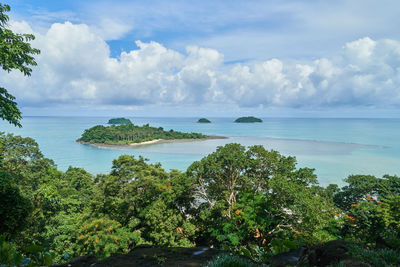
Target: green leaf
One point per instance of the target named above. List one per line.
(289, 244)
(34, 249)
(17, 258)
(245, 252)
(48, 259)
(234, 239)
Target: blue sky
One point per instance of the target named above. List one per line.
(290, 58)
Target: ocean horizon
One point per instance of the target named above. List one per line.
(334, 147)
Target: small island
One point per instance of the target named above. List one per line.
(203, 120)
(248, 120)
(132, 135)
(119, 121)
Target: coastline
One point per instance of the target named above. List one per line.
(155, 141)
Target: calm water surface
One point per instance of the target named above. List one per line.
(336, 148)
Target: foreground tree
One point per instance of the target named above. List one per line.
(15, 53)
(370, 209)
(145, 198)
(250, 197)
(14, 207)
(362, 187)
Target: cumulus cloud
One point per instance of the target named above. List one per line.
(111, 28)
(75, 68)
(366, 73)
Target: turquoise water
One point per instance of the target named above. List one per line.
(336, 148)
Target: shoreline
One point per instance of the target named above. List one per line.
(153, 142)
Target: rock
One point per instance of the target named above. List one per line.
(82, 261)
(328, 253)
(145, 255)
(354, 263)
(290, 258)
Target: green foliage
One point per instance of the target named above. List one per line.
(119, 121)
(389, 211)
(8, 253)
(204, 120)
(57, 200)
(332, 231)
(14, 207)
(370, 210)
(32, 255)
(282, 245)
(65, 211)
(391, 238)
(251, 201)
(166, 226)
(78, 190)
(8, 108)
(227, 260)
(38, 256)
(60, 233)
(145, 198)
(15, 53)
(104, 237)
(127, 134)
(389, 214)
(379, 257)
(249, 197)
(22, 158)
(365, 221)
(361, 186)
(248, 119)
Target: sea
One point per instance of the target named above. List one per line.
(335, 148)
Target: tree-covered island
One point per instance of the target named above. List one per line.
(131, 134)
(119, 121)
(203, 120)
(248, 119)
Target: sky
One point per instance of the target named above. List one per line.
(285, 58)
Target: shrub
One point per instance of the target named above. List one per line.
(227, 260)
(105, 237)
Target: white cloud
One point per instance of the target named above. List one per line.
(280, 29)
(75, 68)
(111, 29)
(360, 51)
(21, 27)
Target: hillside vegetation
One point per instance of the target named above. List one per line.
(250, 201)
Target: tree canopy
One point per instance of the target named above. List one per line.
(204, 120)
(255, 193)
(130, 133)
(15, 53)
(119, 121)
(248, 119)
